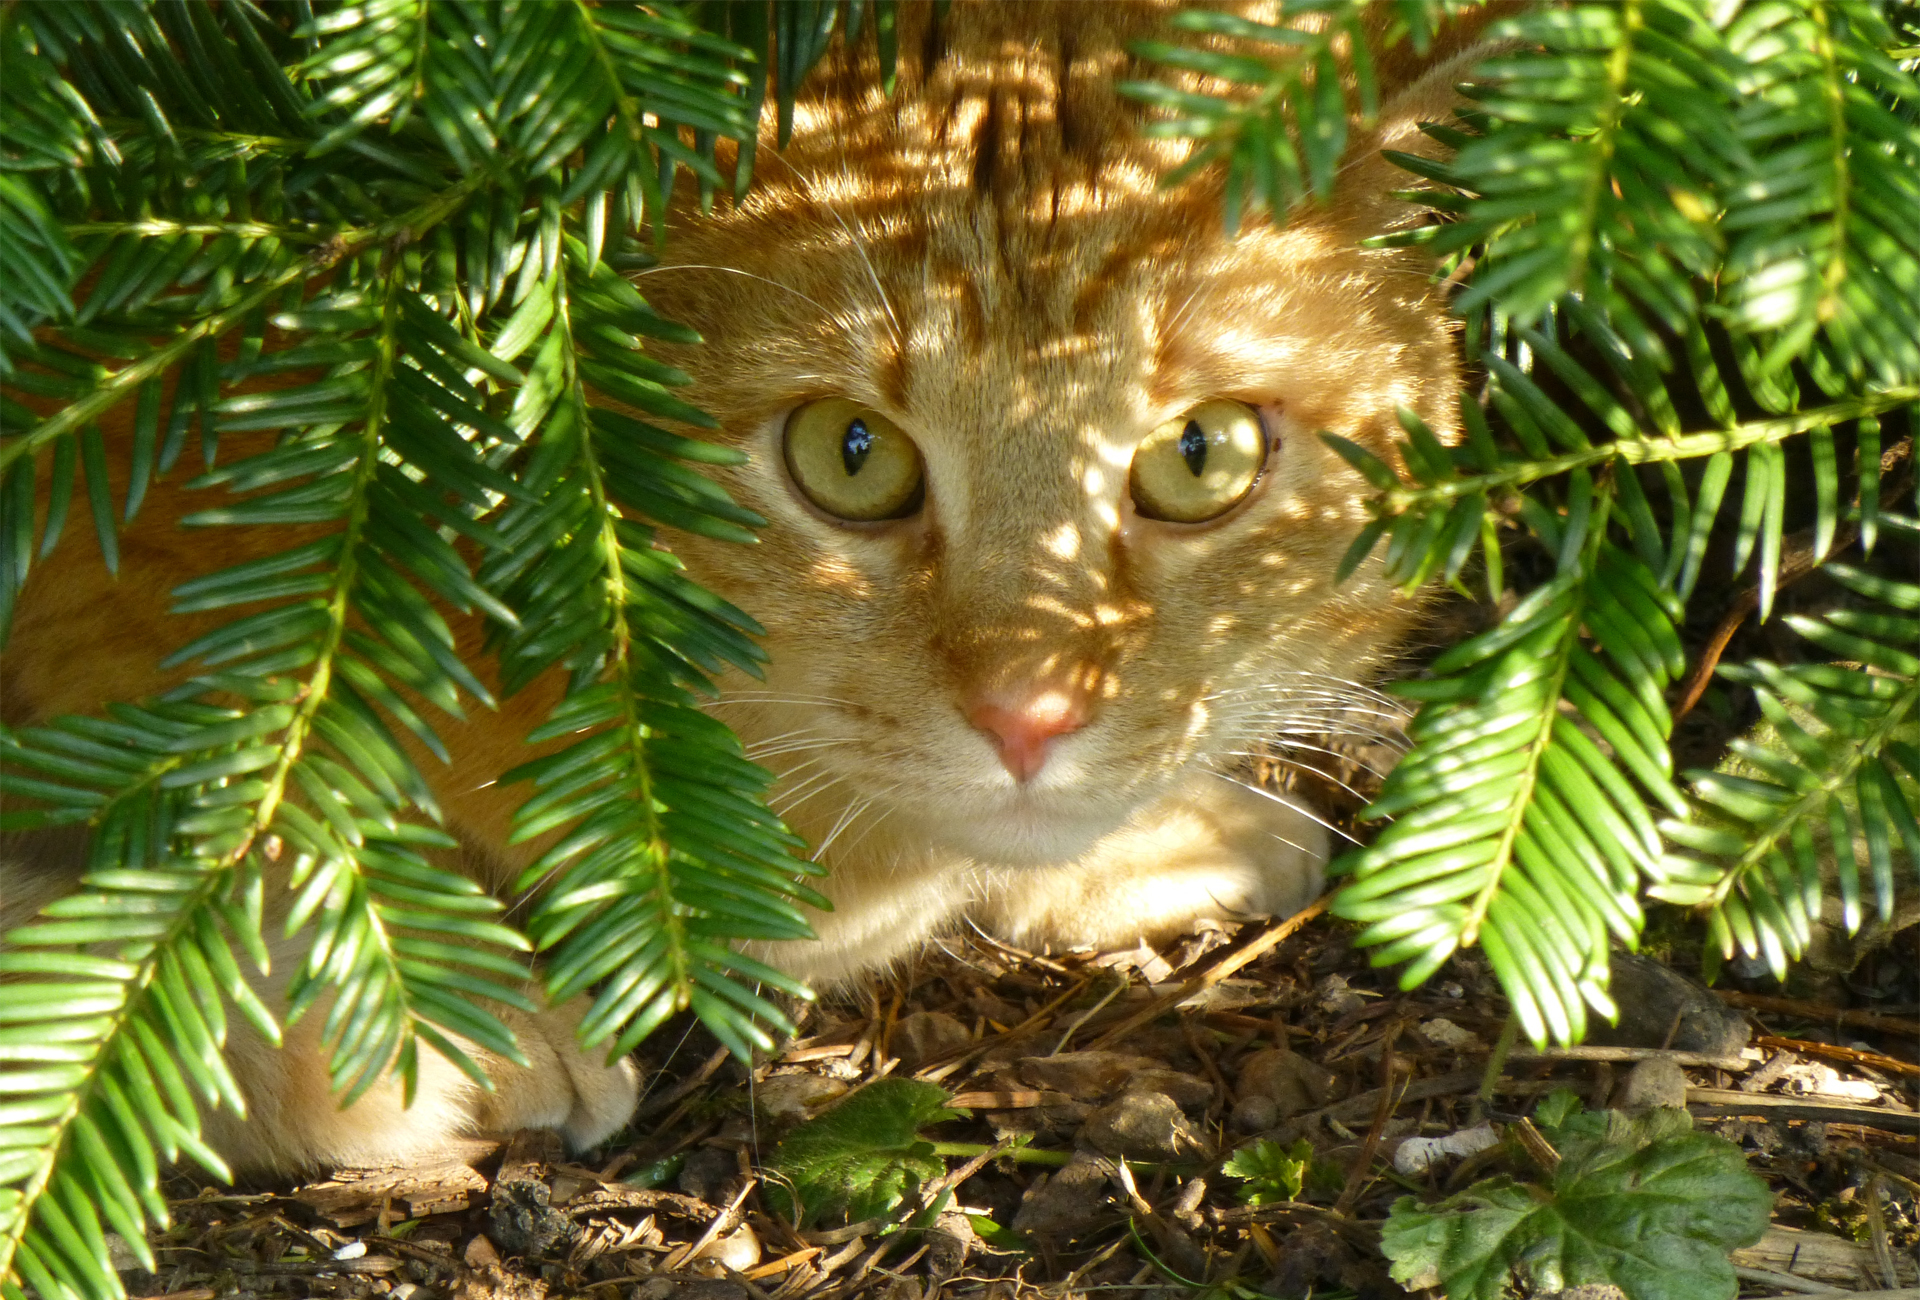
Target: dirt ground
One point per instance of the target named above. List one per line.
(1102, 1093)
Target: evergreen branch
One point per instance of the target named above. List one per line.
(123, 382)
(156, 227)
(1826, 764)
(1647, 451)
(82, 1012)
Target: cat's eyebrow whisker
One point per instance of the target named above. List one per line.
(733, 270)
(1302, 809)
(860, 248)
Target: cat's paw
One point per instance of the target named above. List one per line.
(1215, 850)
(295, 1121)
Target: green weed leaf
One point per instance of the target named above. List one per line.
(1271, 1173)
(1650, 1206)
(864, 1157)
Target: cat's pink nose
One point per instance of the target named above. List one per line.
(1023, 735)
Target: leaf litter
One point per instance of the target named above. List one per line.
(992, 1124)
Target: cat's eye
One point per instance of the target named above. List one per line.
(1199, 465)
(853, 462)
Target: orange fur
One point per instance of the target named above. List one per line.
(989, 258)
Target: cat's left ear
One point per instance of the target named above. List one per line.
(1363, 199)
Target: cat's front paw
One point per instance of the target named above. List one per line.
(295, 1122)
(1213, 850)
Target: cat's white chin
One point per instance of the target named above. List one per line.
(1025, 828)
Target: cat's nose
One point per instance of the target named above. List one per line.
(1025, 733)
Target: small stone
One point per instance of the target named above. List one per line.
(1069, 1204)
(1335, 998)
(120, 1256)
(480, 1252)
(1145, 1126)
(794, 1097)
(1655, 1000)
(1651, 1083)
(949, 1244)
(925, 1036)
(706, 1173)
(1254, 1114)
(1442, 1032)
(1085, 1076)
(1189, 1091)
(1288, 1079)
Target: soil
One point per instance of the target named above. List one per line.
(1102, 1092)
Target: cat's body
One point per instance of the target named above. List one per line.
(1020, 703)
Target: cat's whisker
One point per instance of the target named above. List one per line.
(772, 750)
(847, 817)
(859, 246)
(814, 786)
(1332, 718)
(1322, 773)
(1284, 802)
(733, 270)
(777, 697)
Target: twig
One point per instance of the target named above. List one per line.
(1268, 940)
(1835, 1052)
(722, 1222)
(1820, 1011)
(1731, 1064)
(1722, 1103)
(1389, 1099)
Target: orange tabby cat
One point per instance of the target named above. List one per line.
(1051, 541)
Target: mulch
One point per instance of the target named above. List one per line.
(1103, 1092)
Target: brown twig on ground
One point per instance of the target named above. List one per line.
(1728, 1103)
(1835, 1052)
(1232, 961)
(1819, 1011)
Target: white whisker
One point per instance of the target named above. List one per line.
(1302, 809)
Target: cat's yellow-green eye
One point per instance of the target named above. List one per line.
(1197, 466)
(853, 462)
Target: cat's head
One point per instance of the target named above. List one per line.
(1048, 524)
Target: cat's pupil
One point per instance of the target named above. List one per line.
(1193, 447)
(855, 446)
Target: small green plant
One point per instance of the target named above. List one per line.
(1269, 1172)
(863, 1158)
(1642, 1202)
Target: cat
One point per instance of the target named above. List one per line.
(1050, 544)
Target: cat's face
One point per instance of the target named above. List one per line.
(978, 296)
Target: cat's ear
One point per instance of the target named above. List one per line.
(1363, 201)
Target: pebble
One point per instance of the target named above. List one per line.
(1286, 1078)
(738, 1250)
(1069, 1203)
(926, 1036)
(1655, 1000)
(1145, 1126)
(793, 1097)
(1254, 1114)
(1651, 1083)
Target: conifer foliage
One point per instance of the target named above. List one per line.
(1687, 237)
(420, 214)
(396, 234)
